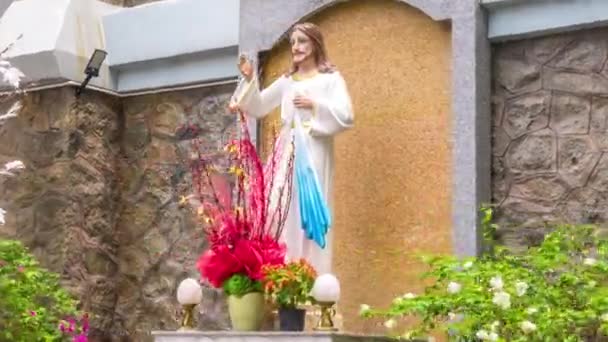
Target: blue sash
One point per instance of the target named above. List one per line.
(314, 212)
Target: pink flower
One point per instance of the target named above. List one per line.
(80, 338)
(85, 323)
(33, 313)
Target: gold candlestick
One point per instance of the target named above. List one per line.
(187, 322)
(326, 322)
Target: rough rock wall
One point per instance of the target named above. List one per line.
(98, 202)
(550, 133)
(159, 242)
(64, 205)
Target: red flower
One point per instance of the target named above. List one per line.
(217, 265)
(242, 231)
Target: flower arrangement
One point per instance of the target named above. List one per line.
(289, 285)
(557, 291)
(243, 230)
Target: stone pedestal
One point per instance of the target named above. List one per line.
(228, 336)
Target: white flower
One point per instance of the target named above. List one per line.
(390, 324)
(14, 165)
(409, 295)
(494, 326)
(486, 336)
(467, 265)
(11, 76)
(502, 299)
(521, 288)
(454, 287)
(531, 311)
(527, 327)
(604, 317)
(12, 112)
(589, 261)
(482, 335)
(364, 308)
(496, 283)
(2, 212)
(11, 167)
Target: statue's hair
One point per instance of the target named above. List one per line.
(313, 32)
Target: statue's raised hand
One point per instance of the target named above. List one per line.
(246, 67)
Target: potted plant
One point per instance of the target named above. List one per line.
(243, 211)
(289, 286)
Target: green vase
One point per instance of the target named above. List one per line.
(246, 312)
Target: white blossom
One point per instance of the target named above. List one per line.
(604, 317)
(390, 324)
(9, 168)
(12, 112)
(454, 287)
(590, 262)
(409, 295)
(496, 283)
(521, 288)
(364, 308)
(493, 337)
(11, 75)
(494, 326)
(502, 299)
(2, 212)
(468, 265)
(527, 327)
(14, 165)
(482, 335)
(531, 311)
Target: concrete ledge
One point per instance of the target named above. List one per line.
(144, 53)
(170, 28)
(270, 336)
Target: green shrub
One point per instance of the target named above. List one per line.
(557, 291)
(32, 303)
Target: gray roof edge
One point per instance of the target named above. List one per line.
(59, 68)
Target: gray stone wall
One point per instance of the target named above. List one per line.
(550, 133)
(98, 202)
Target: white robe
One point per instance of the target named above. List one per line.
(332, 114)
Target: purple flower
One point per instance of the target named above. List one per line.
(33, 313)
(62, 327)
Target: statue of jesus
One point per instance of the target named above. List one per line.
(315, 106)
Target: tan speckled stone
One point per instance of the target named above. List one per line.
(393, 184)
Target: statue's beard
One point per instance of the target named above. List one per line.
(306, 59)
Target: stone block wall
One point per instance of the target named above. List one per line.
(98, 201)
(550, 133)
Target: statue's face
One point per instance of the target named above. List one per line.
(301, 47)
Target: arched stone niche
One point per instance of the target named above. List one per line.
(407, 176)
